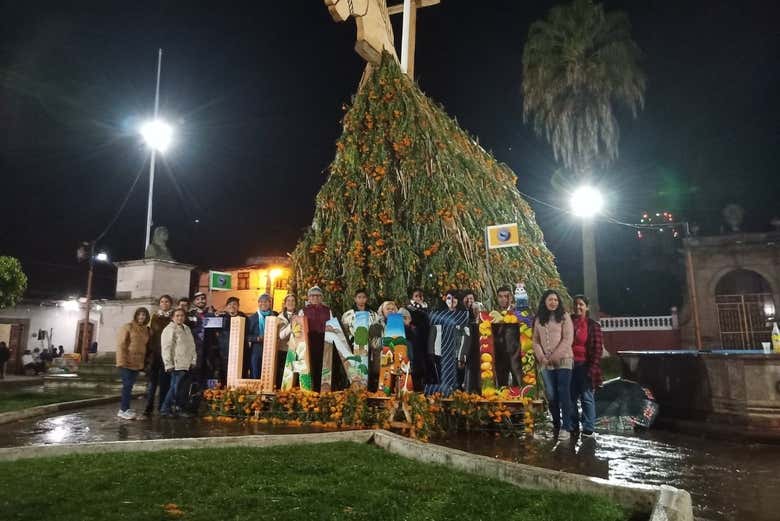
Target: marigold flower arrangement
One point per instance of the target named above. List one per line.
(357, 409)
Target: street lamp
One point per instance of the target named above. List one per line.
(587, 202)
(99, 257)
(157, 134)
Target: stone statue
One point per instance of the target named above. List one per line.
(733, 215)
(158, 248)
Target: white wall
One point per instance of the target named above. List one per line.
(114, 314)
(62, 323)
(107, 321)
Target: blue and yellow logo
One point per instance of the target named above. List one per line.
(502, 236)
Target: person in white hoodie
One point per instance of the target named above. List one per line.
(179, 356)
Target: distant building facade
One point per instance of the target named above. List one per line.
(265, 275)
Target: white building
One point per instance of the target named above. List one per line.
(41, 323)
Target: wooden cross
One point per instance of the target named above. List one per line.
(374, 31)
(409, 30)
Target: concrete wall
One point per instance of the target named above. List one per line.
(150, 278)
(114, 314)
(615, 341)
(63, 323)
(715, 390)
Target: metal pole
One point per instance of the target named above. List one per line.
(489, 294)
(589, 270)
(151, 163)
(85, 331)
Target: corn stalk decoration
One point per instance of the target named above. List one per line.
(406, 204)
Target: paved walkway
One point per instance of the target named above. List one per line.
(99, 423)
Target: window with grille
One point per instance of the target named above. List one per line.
(243, 280)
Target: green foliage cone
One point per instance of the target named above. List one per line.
(406, 204)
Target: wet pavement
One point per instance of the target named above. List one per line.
(727, 480)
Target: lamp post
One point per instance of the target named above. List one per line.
(586, 202)
(157, 135)
(100, 257)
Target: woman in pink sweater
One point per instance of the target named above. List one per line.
(553, 337)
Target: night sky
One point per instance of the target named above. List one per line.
(256, 93)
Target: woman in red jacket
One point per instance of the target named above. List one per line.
(586, 376)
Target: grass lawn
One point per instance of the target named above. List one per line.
(332, 481)
(17, 399)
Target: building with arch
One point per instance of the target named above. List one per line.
(733, 286)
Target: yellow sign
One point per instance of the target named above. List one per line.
(502, 236)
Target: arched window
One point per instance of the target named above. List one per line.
(744, 305)
(742, 282)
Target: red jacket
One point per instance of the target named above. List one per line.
(594, 347)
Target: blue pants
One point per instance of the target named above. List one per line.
(582, 390)
(170, 398)
(256, 361)
(157, 378)
(128, 380)
(557, 383)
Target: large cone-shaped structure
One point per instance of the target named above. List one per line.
(406, 204)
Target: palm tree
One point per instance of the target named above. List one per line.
(578, 65)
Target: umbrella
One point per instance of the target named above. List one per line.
(624, 404)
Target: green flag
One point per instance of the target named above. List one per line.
(219, 281)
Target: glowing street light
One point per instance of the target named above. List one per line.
(157, 134)
(101, 257)
(586, 201)
(71, 305)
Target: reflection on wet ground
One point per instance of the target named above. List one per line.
(728, 481)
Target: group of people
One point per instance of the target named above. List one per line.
(35, 361)
(175, 345)
(568, 349)
(165, 346)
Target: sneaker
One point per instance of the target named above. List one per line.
(167, 414)
(564, 436)
(588, 434)
(126, 415)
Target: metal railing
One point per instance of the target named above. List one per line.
(656, 323)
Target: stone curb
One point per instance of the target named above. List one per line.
(662, 503)
(42, 410)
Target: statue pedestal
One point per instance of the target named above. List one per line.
(150, 278)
